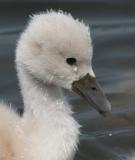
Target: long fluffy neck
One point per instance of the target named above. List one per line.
(56, 128)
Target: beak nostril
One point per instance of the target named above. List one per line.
(94, 88)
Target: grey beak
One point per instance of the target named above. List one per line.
(90, 90)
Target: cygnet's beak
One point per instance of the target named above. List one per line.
(90, 90)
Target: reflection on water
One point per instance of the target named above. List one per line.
(113, 37)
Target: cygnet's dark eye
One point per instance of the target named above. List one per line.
(71, 61)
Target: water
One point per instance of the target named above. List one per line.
(113, 34)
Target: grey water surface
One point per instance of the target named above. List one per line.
(113, 33)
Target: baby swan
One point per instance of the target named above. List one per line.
(54, 52)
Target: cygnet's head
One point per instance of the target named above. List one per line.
(56, 49)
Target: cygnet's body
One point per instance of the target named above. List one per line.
(53, 52)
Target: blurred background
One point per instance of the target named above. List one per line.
(112, 24)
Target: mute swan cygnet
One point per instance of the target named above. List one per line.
(53, 52)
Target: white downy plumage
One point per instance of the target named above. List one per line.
(47, 130)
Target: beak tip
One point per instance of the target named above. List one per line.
(106, 111)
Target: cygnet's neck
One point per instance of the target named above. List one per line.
(55, 126)
(39, 97)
